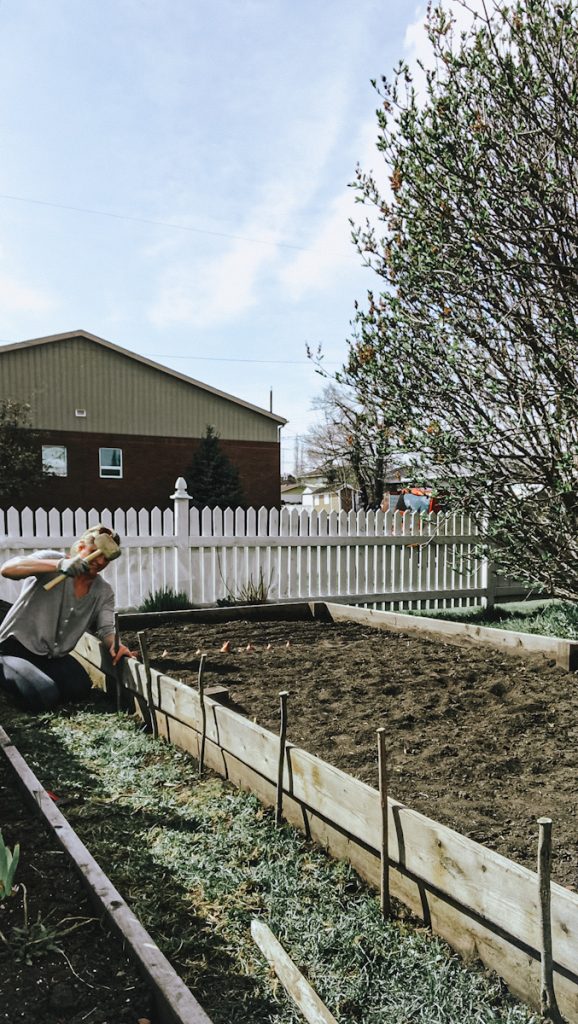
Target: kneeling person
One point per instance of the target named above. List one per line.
(43, 626)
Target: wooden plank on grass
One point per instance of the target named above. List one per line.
(301, 992)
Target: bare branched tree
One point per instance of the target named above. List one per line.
(348, 444)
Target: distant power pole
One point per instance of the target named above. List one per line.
(297, 458)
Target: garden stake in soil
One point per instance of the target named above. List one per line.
(548, 1004)
(382, 768)
(118, 672)
(203, 714)
(301, 992)
(282, 740)
(149, 686)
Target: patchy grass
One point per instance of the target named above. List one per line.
(198, 860)
(547, 617)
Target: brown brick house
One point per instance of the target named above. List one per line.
(117, 429)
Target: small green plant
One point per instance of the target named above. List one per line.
(8, 864)
(31, 940)
(250, 593)
(167, 600)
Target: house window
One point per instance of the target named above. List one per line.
(110, 461)
(54, 460)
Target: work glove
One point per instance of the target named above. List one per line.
(73, 566)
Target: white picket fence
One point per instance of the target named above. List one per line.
(397, 562)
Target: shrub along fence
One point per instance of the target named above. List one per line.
(483, 904)
(407, 561)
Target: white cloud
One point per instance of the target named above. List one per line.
(330, 253)
(215, 293)
(217, 289)
(18, 297)
(318, 268)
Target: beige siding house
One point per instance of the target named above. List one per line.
(119, 428)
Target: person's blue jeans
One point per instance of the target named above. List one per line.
(38, 683)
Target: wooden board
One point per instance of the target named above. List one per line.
(467, 933)
(175, 1004)
(565, 652)
(314, 1011)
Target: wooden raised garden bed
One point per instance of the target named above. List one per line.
(483, 903)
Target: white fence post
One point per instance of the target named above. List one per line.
(181, 499)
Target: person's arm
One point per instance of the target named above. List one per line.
(117, 653)
(104, 630)
(21, 568)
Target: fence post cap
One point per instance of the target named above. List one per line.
(181, 489)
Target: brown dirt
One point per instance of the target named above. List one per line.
(480, 740)
(85, 978)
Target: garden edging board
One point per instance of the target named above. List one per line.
(483, 904)
(564, 652)
(175, 1004)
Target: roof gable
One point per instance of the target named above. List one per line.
(53, 338)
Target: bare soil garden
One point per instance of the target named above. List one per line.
(478, 739)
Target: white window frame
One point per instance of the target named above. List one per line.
(55, 459)
(107, 470)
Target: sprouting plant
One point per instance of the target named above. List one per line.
(249, 593)
(8, 864)
(32, 938)
(255, 593)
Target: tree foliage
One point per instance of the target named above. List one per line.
(212, 479)
(20, 459)
(470, 348)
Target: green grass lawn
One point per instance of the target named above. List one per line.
(197, 860)
(547, 617)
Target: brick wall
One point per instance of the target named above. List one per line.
(150, 467)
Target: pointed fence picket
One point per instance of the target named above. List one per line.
(390, 560)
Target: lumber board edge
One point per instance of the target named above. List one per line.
(565, 652)
(175, 1003)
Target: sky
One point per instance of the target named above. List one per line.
(174, 178)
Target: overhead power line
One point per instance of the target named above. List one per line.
(213, 359)
(163, 224)
(226, 359)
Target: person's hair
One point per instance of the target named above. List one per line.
(94, 531)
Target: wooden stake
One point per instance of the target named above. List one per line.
(118, 673)
(282, 740)
(142, 640)
(548, 1005)
(203, 714)
(382, 767)
(290, 976)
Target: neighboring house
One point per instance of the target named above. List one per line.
(311, 491)
(292, 494)
(117, 429)
(330, 498)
